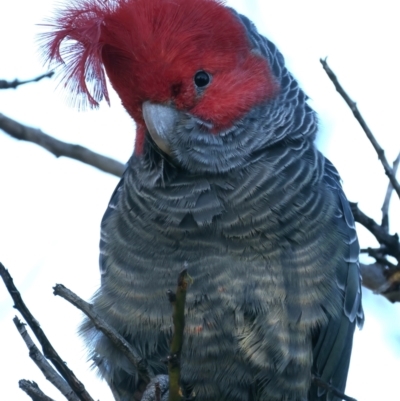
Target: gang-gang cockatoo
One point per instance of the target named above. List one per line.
(226, 180)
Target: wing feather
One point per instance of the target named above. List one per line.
(333, 343)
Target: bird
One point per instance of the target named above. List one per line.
(225, 179)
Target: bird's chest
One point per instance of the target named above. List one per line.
(226, 231)
(187, 222)
(239, 217)
(245, 246)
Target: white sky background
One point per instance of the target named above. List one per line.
(50, 209)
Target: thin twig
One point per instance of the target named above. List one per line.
(178, 317)
(386, 203)
(14, 84)
(379, 255)
(33, 390)
(49, 372)
(48, 350)
(320, 383)
(361, 121)
(391, 242)
(106, 329)
(59, 148)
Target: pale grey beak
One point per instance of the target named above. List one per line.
(160, 121)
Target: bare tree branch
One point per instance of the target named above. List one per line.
(382, 277)
(49, 373)
(386, 203)
(60, 148)
(380, 256)
(48, 350)
(391, 242)
(14, 84)
(33, 390)
(105, 328)
(360, 119)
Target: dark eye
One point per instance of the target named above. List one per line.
(201, 79)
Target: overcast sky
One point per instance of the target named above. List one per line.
(50, 209)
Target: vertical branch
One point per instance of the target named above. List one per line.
(178, 316)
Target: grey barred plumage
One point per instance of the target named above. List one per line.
(261, 265)
(259, 217)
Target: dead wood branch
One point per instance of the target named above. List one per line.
(41, 362)
(14, 84)
(383, 277)
(59, 148)
(33, 390)
(391, 242)
(106, 329)
(360, 119)
(48, 350)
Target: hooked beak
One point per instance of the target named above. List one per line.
(160, 121)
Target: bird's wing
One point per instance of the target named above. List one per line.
(333, 342)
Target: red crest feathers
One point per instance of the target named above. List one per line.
(75, 45)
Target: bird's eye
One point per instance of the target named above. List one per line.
(201, 79)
